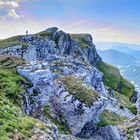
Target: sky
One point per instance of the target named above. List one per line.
(105, 20)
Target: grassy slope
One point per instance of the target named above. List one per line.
(12, 41)
(112, 79)
(11, 92)
(110, 118)
(16, 40)
(13, 122)
(125, 102)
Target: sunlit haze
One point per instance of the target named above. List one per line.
(106, 20)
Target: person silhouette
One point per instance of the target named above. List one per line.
(26, 32)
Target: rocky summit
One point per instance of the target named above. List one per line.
(54, 85)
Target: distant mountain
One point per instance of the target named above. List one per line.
(127, 50)
(104, 45)
(136, 54)
(118, 46)
(128, 64)
(61, 89)
(123, 49)
(117, 58)
(132, 73)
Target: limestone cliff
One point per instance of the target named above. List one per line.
(71, 88)
(39, 46)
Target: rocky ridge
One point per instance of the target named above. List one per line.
(67, 88)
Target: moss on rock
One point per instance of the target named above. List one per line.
(80, 91)
(44, 34)
(80, 38)
(62, 127)
(110, 118)
(125, 102)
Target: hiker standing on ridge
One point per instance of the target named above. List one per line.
(26, 32)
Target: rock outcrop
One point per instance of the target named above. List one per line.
(39, 46)
(67, 88)
(131, 129)
(51, 87)
(109, 133)
(138, 105)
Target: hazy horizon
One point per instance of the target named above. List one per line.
(106, 21)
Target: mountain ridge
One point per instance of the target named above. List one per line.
(109, 45)
(127, 63)
(71, 88)
(110, 56)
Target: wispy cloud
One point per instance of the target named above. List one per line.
(8, 9)
(76, 24)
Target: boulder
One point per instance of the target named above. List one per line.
(109, 133)
(52, 30)
(134, 97)
(48, 89)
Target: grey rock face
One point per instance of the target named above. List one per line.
(47, 90)
(52, 30)
(134, 97)
(105, 133)
(131, 129)
(50, 134)
(75, 113)
(37, 47)
(110, 133)
(114, 107)
(138, 105)
(29, 53)
(52, 55)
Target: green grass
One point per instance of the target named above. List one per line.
(16, 40)
(111, 74)
(110, 118)
(127, 88)
(80, 39)
(130, 127)
(60, 63)
(9, 85)
(112, 78)
(12, 41)
(13, 122)
(125, 102)
(81, 92)
(10, 81)
(44, 34)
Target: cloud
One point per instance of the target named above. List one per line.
(81, 22)
(9, 9)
